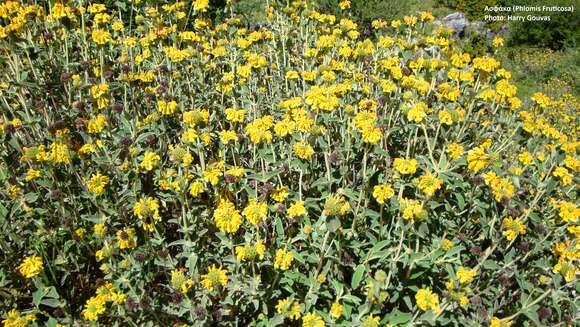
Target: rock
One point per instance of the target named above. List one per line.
(456, 21)
(479, 27)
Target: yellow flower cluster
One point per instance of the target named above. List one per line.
(405, 166)
(283, 259)
(427, 300)
(97, 183)
(383, 192)
(249, 252)
(501, 187)
(215, 277)
(289, 308)
(513, 228)
(227, 218)
(180, 281)
(147, 209)
(97, 305)
(31, 266)
(429, 184)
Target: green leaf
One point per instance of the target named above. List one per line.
(532, 313)
(333, 224)
(51, 322)
(460, 200)
(357, 276)
(398, 318)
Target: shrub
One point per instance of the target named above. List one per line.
(562, 30)
(296, 172)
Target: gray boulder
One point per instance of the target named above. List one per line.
(457, 21)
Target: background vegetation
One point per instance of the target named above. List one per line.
(176, 163)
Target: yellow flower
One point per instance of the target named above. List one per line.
(227, 218)
(16, 122)
(235, 171)
(446, 244)
(101, 37)
(176, 55)
(228, 136)
(214, 278)
(279, 194)
(486, 64)
(567, 269)
(126, 238)
(308, 76)
(97, 124)
(99, 90)
(335, 205)
(297, 209)
(336, 310)
(196, 188)
(345, 4)
(189, 136)
(322, 98)
(514, 227)
(429, 184)
(94, 307)
(213, 173)
(303, 150)
(15, 319)
(445, 117)
(568, 211)
(31, 266)
(250, 251)
(193, 117)
(501, 187)
(100, 230)
(426, 300)
(32, 174)
(463, 301)
(235, 116)
(496, 322)
(383, 192)
(572, 163)
(179, 281)
(477, 159)
(289, 308)
(497, 42)
(200, 5)
(59, 153)
(284, 127)
(370, 321)
(150, 161)
(412, 209)
(255, 211)
(541, 99)
(97, 183)
(455, 150)
(405, 166)
(525, 158)
(465, 276)
(283, 259)
(259, 130)
(147, 209)
(292, 74)
(167, 108)
(564, 175)
(371, 135)
(312, 320)
(417, 112)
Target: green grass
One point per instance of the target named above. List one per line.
(540, 69)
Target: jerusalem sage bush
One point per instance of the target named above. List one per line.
(163, 170)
